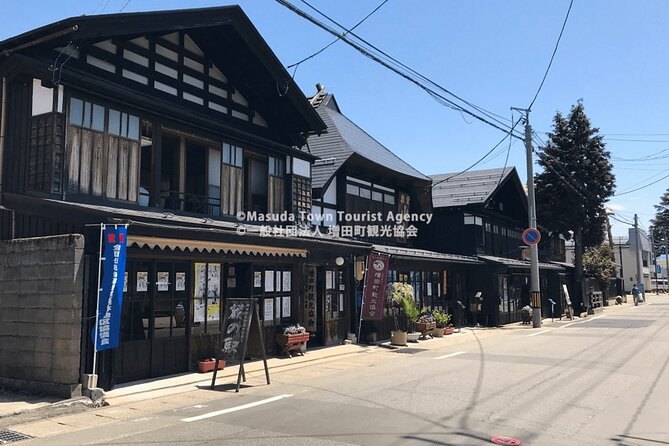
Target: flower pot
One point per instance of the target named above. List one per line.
(438, 332)
(398, 338)
(207, 365)
(448, 330)
(413, 336)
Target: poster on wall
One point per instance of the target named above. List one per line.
(285, 306)
(213, 309)
(163, 281)
(277, 307)
(429, 289)
(200, 279)
(269, 281)
(125, 282)
(341, 301)
(277, 281)
(142, 281)
(257, 279)
(198, 315)
(287, 276)
(180, 282)
(232, 282)
(268, 314)
(214, 280)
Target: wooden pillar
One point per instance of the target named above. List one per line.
(156, 164)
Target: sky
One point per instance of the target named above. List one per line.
(612, 55)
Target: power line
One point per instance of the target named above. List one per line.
(378, 56)
(126, 4)
(636, 140)
(297, 64)
(557, 44)
(642, 187)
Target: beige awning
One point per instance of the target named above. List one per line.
(212, 247)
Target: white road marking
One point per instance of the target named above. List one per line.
(539, 332)
(583, 322)
(450, 355)
(235, 409)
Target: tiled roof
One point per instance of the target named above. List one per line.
(421, 254)
(344, 139)
(450, 189)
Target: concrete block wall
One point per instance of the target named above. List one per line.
(41, 298)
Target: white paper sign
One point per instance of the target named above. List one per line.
(277, 307)
(285, 303)
(257, 279)
(163, 281)
(269, 310)
(199, 310)
(341, 301)
(180, 282)
(286, 281)
(142, 280)
(429, 289)
(269, 280)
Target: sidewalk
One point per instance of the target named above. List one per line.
(313, 363)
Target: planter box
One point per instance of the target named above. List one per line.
(448, 330)
(425, 328)
(207, 365)
(292, 342)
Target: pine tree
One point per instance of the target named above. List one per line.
(660, 228)
(576, 183)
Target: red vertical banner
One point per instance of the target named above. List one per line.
(376, 277)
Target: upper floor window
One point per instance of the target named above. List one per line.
(87, 115)
(232, 155)
(472, 220)
(277, 167)
(123, 124)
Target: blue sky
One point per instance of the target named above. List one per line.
(492, 53)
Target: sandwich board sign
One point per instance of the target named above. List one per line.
(235, 335)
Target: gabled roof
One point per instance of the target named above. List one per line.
(345, 139)
(473, 187)
(277, 90)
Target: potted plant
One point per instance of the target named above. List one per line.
(413, 313)
(442, 321)
(293, 338)
(425, 324)
(396, 294)
(208, 365)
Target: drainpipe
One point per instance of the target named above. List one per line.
(3, 120)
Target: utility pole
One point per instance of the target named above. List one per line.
(637, 238)
(652, 248)
(535, 290)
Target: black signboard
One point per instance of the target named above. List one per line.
(235, 335)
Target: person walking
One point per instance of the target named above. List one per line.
(635, 294)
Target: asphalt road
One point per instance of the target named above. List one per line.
(600, 381)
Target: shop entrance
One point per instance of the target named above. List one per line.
(154, 321)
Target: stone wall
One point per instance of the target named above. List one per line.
(41, 286)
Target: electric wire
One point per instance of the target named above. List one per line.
(297, 64)
(377, 55)
(642, 187)
(557, 44)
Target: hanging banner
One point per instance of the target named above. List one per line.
(111, 287)
(376, 277)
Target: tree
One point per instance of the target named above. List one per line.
(597, 264)
(576, 183)
(660, 224)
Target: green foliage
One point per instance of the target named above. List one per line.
(660, 229)
(597, 263)
(442, 318)
(577, 180)
(411, 309)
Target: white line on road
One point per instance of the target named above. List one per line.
(450, 355)
(235, 409)
(583, 322)
(539, 332)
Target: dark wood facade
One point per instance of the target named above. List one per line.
(174, 123)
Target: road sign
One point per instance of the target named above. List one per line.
(531, 236)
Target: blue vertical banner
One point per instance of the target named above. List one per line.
(110, 298)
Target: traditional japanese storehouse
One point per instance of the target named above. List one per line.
(185, 126)
(484, 213)
(359, 188)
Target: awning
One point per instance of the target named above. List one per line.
(422, 254)
(212, 247)
(520, 264)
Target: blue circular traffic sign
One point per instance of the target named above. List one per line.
(531, 236)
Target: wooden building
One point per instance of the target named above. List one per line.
(484, 213)
(356, 176)
(181, 124)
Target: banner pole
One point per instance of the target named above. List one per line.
(362, 301)
(97, 303)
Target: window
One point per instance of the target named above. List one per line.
(123, 124)
(277, 167)
(232, 155)
(86, 114)
(353, 190)
(389, 198)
